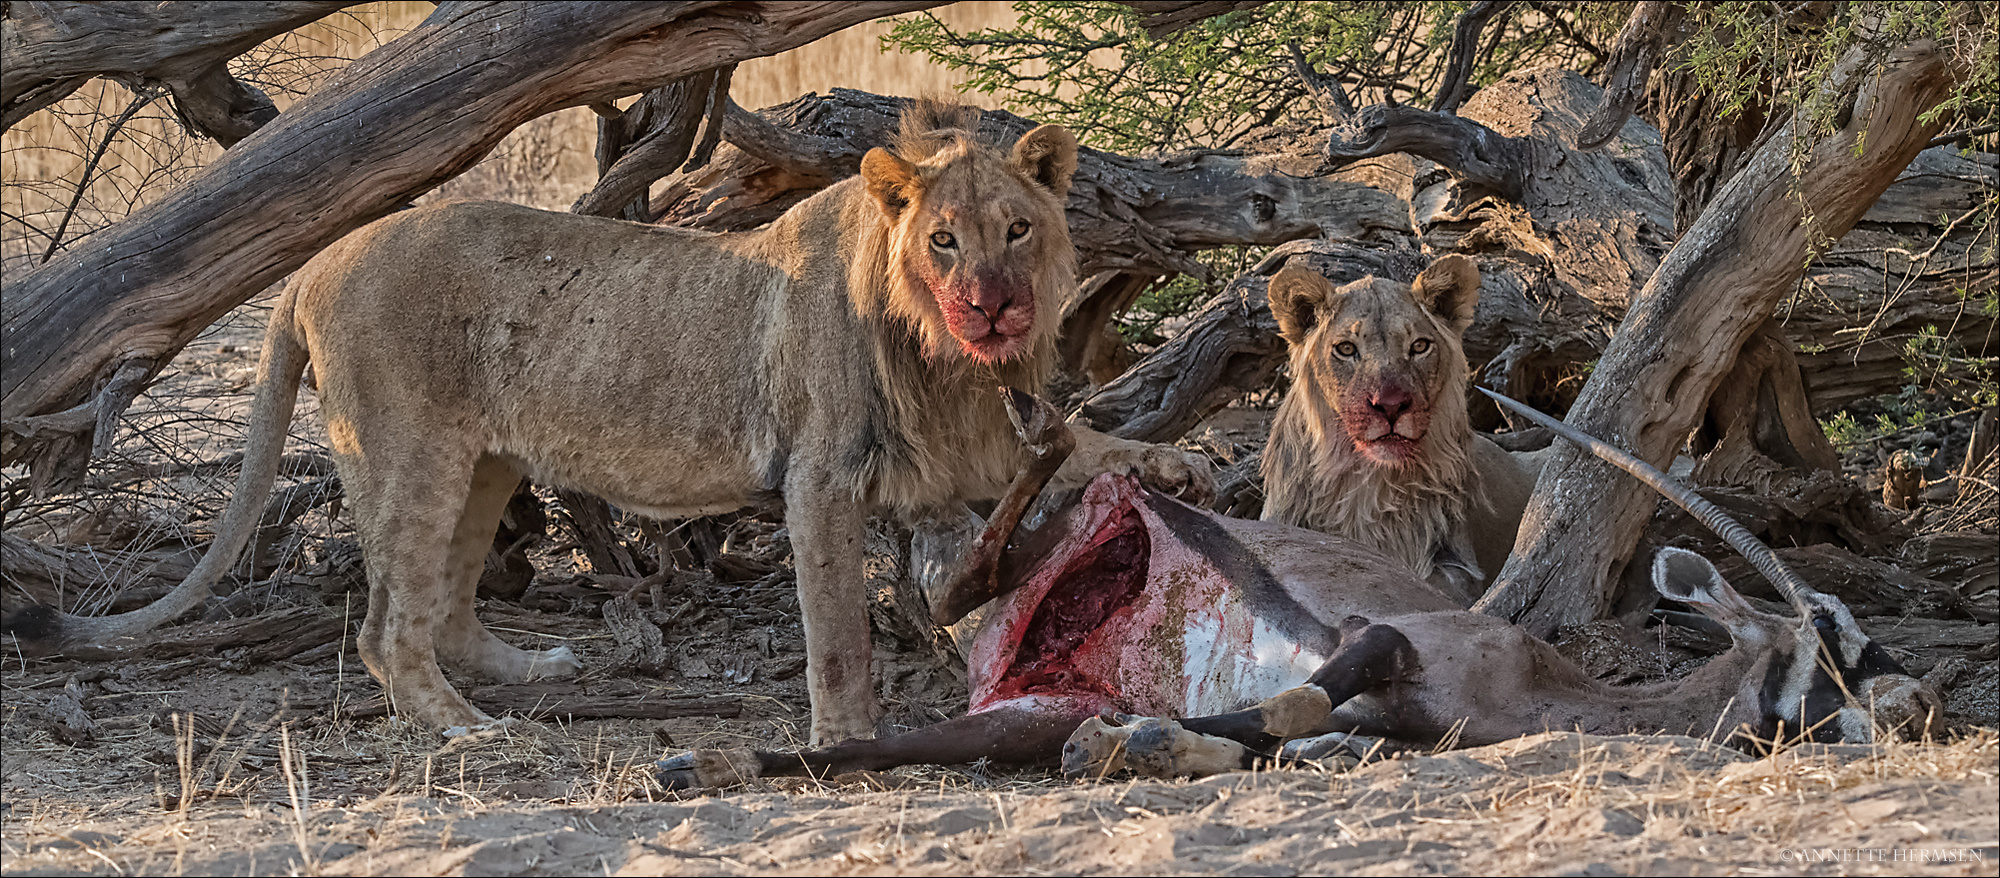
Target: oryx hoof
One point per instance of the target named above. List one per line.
(677, 772)
(1095, 750)
(1331, 752)
(1154, 748)
(1162, 748)
(704, 769)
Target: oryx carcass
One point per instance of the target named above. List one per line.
(1133, 630)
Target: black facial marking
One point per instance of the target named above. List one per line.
(1266, 599)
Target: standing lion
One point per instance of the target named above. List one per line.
(843, 360)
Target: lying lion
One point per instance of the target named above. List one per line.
(842, 360)
(1373, 441)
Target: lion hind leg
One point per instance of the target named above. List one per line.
(463, 643)
(403, 537)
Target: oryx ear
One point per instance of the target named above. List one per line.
(1048, 155)
(1298, 296)
(1449, 288)
(1684, 576)
(892, 181)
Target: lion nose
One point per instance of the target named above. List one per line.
(1391, 402)
(991, 303)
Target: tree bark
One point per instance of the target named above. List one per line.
(1230, 348)
(1758, 427)
(1641, 44)
(1724, 277)
(1475, 153)
(653, 138)
(1090, 347)
(391, 126)
(1142, 216)
(1916, 260)
(55, 47)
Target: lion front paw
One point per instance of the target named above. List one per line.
(1184, 474)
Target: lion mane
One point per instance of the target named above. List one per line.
(1374, 442)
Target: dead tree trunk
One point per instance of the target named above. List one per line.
(1758, 424)
(54, 48)
(1560, 254)
(1725, 276)
(1142, 216)
(391, 126)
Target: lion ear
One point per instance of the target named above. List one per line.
(1450, 289)
(1048, 154)
(891, 180)
(1297, 296)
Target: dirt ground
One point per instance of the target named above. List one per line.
(323, 793)
(255, 743)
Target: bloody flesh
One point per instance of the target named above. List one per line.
(1093, 586)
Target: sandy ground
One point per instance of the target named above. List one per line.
(571, 800)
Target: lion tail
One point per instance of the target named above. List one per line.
(278, 374)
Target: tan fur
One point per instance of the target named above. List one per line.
(1443, 500)
(838, 359)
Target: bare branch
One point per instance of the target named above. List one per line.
(139, 102)
(54, 47)
(650, 140)
(1641, 45)
(1457, 82)
(1473, 152)
(1326, 90)
(1164, 17)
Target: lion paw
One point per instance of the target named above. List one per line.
(1184, 474)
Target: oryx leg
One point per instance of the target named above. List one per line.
(1015, 736)
(1195, 746)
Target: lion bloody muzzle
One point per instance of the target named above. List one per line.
(991, 314)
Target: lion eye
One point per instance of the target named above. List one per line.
(1018, 230)
(943, 240)
(1346, 349)
(1420, 345)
